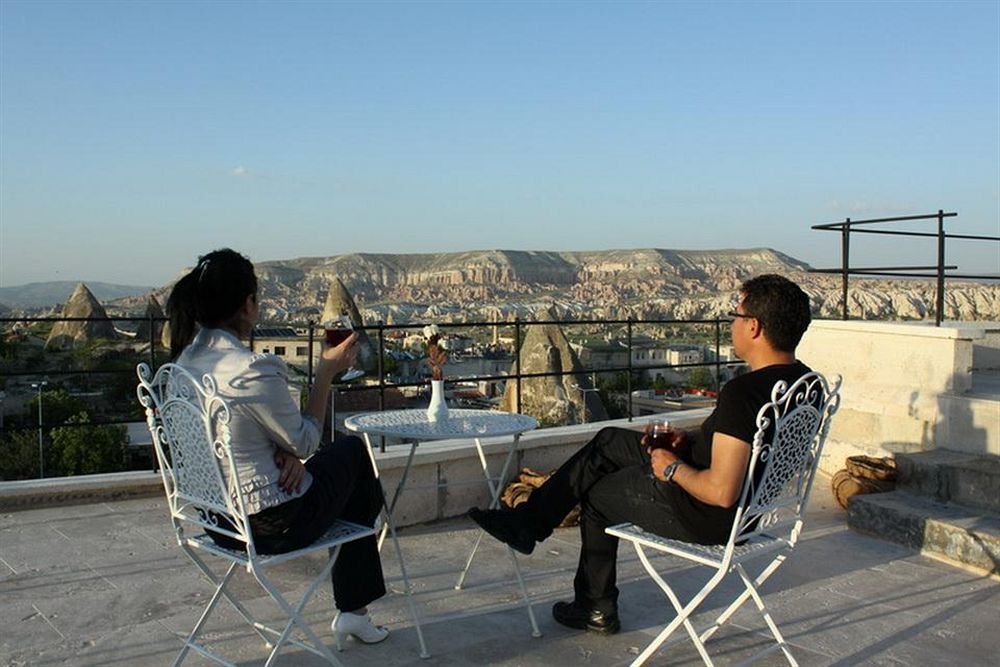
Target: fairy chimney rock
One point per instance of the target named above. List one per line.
(340, 302)
(154, 316)
(81, 303)
(565, 399)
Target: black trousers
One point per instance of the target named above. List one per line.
(611, 478)
(344, 487)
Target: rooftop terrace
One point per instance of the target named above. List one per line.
(105, 584)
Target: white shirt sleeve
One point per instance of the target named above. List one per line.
(265, 397)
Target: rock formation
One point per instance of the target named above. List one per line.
(565, 399)
(492, 285)
(338, 303)
(154, 314)
(82, 303)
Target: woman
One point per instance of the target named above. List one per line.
(290, 504)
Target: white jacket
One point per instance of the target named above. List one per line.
(263, 414)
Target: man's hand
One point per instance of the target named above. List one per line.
(659, 459)
(293, 472)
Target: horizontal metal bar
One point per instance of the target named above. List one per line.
(851, 223)
(972, 237)
(891, 232)
(882, 268)
(884, 273)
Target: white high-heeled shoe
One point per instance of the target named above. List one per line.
(359, 626)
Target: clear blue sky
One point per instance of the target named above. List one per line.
(135, 135)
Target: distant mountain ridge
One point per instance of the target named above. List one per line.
(57, 292)
(499, 285)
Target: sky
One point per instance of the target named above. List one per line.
(136, 135)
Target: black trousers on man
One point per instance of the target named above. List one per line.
(610, 477)
(344, 487)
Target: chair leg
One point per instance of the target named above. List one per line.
(752, 590)
(191, 640)
(743, 597)
(683, 611)
(220, 585)
(295, 615)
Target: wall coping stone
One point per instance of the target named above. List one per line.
(33, 493)
(919, 329)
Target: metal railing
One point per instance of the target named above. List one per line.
(156, 353)
(848, 226)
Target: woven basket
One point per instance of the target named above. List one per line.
(518, 490)
(846, 485)
(870, 467)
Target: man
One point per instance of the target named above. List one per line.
(692, 499)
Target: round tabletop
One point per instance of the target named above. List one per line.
(459, 424)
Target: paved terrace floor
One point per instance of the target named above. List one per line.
(105, 584)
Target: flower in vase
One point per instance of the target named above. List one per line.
(437, 351)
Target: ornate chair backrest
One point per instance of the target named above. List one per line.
(791, 430)
(189, 423)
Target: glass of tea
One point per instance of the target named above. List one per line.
(337, 331)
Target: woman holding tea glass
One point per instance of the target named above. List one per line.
(654, 479)
(291, 503)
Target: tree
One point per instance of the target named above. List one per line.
(79, 449)
(19, 455)
(701, 378)
(57, 406)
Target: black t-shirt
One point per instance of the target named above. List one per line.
(735, 414)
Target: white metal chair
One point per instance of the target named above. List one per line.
(189, 423)
(769, 514)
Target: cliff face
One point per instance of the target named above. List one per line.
(638, 283)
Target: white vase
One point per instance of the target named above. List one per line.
(438, 409)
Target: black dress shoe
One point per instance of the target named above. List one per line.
(506, 527)
(580, 617)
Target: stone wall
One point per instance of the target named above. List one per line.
(906, 388)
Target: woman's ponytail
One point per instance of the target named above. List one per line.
(211, 295)
(182, 310)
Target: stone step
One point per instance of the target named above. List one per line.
(952, 477)
(952, 532)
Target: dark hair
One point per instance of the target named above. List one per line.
(211, 294)
(781, 307)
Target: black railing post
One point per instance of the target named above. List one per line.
(517, 360)
(312, 341)
(381, 378)
(940, 269)
(628, 379)
(718, 361)
(845, 253)
(381, 368)
(152, 343)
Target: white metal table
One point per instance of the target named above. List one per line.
(475, 424)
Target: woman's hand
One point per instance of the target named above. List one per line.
(293, 472)
(340, 357)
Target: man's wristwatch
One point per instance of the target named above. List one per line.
(668, 472)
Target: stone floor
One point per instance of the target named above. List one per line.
(105, 584)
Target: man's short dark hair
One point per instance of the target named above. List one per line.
(781, 307)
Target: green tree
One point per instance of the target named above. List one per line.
(79, 449)
(701, 378)
(19, 455)
(57, 406)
